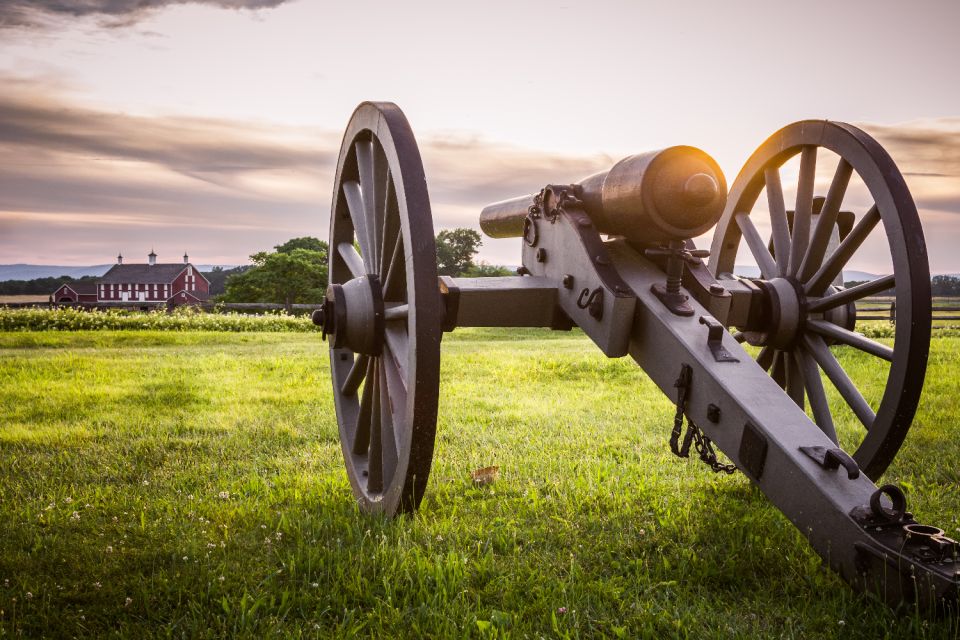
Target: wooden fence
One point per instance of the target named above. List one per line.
(882, 310)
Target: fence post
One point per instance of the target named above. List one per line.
(893, 313)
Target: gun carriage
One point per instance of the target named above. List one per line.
(613, 255)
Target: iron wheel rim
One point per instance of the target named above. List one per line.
(380, 172)
(901, 223)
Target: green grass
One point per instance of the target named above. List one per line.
(191, 485)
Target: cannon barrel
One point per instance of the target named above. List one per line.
(674, 193)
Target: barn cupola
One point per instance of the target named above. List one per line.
(186, 258)
(152, 258)
(119, 258)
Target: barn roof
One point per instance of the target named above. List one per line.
(158, 273)
(85, 287)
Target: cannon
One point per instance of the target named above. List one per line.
(744, 359)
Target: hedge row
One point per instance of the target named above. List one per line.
(183, 319)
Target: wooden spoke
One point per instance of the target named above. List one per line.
(352, 258)
(396, 312)
(757, 246)
(830, 269)
(779, 370)
(851, 395)
(778, 219)
(794, 376)
(361, 438)
(852, 294)
(816, 394)
(398, 383)
(357, 373)
(803, 212)
(375, 475)
(398, 346)
(826, 221)
(765, 358)
(851, 338)
(351, 190)
(396, 278)
(365, 169)
(381, 184)
(388, 436)
(391, 228)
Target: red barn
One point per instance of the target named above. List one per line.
(171, 283)
(85, 291)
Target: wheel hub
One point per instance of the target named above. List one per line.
(352, 315)
(784, 320)
(787, 314)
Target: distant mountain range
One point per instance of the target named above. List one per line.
(33, 271)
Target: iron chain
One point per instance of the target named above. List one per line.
(693, 435)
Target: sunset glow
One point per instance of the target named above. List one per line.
(213, 126)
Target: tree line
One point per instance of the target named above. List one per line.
(295, 272)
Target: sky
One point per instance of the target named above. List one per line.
(212, 127)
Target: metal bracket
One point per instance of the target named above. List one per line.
(833, 458)
(592, 301)
(753, 451)
(675, 301)
(715, 332)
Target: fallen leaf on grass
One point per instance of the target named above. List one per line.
(484, 476)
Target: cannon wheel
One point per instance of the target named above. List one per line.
(386, 400)
(800, 253)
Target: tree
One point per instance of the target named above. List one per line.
(455, 251)
(305, 242)
(945, 286)
(218, 278)
(484, 270)
(293, 275)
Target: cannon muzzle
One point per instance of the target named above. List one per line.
(670, 194)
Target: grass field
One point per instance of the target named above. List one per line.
(190, 484)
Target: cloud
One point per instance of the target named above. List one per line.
(110, 13)
(927, 152)
(78, 183)
(71, 173)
